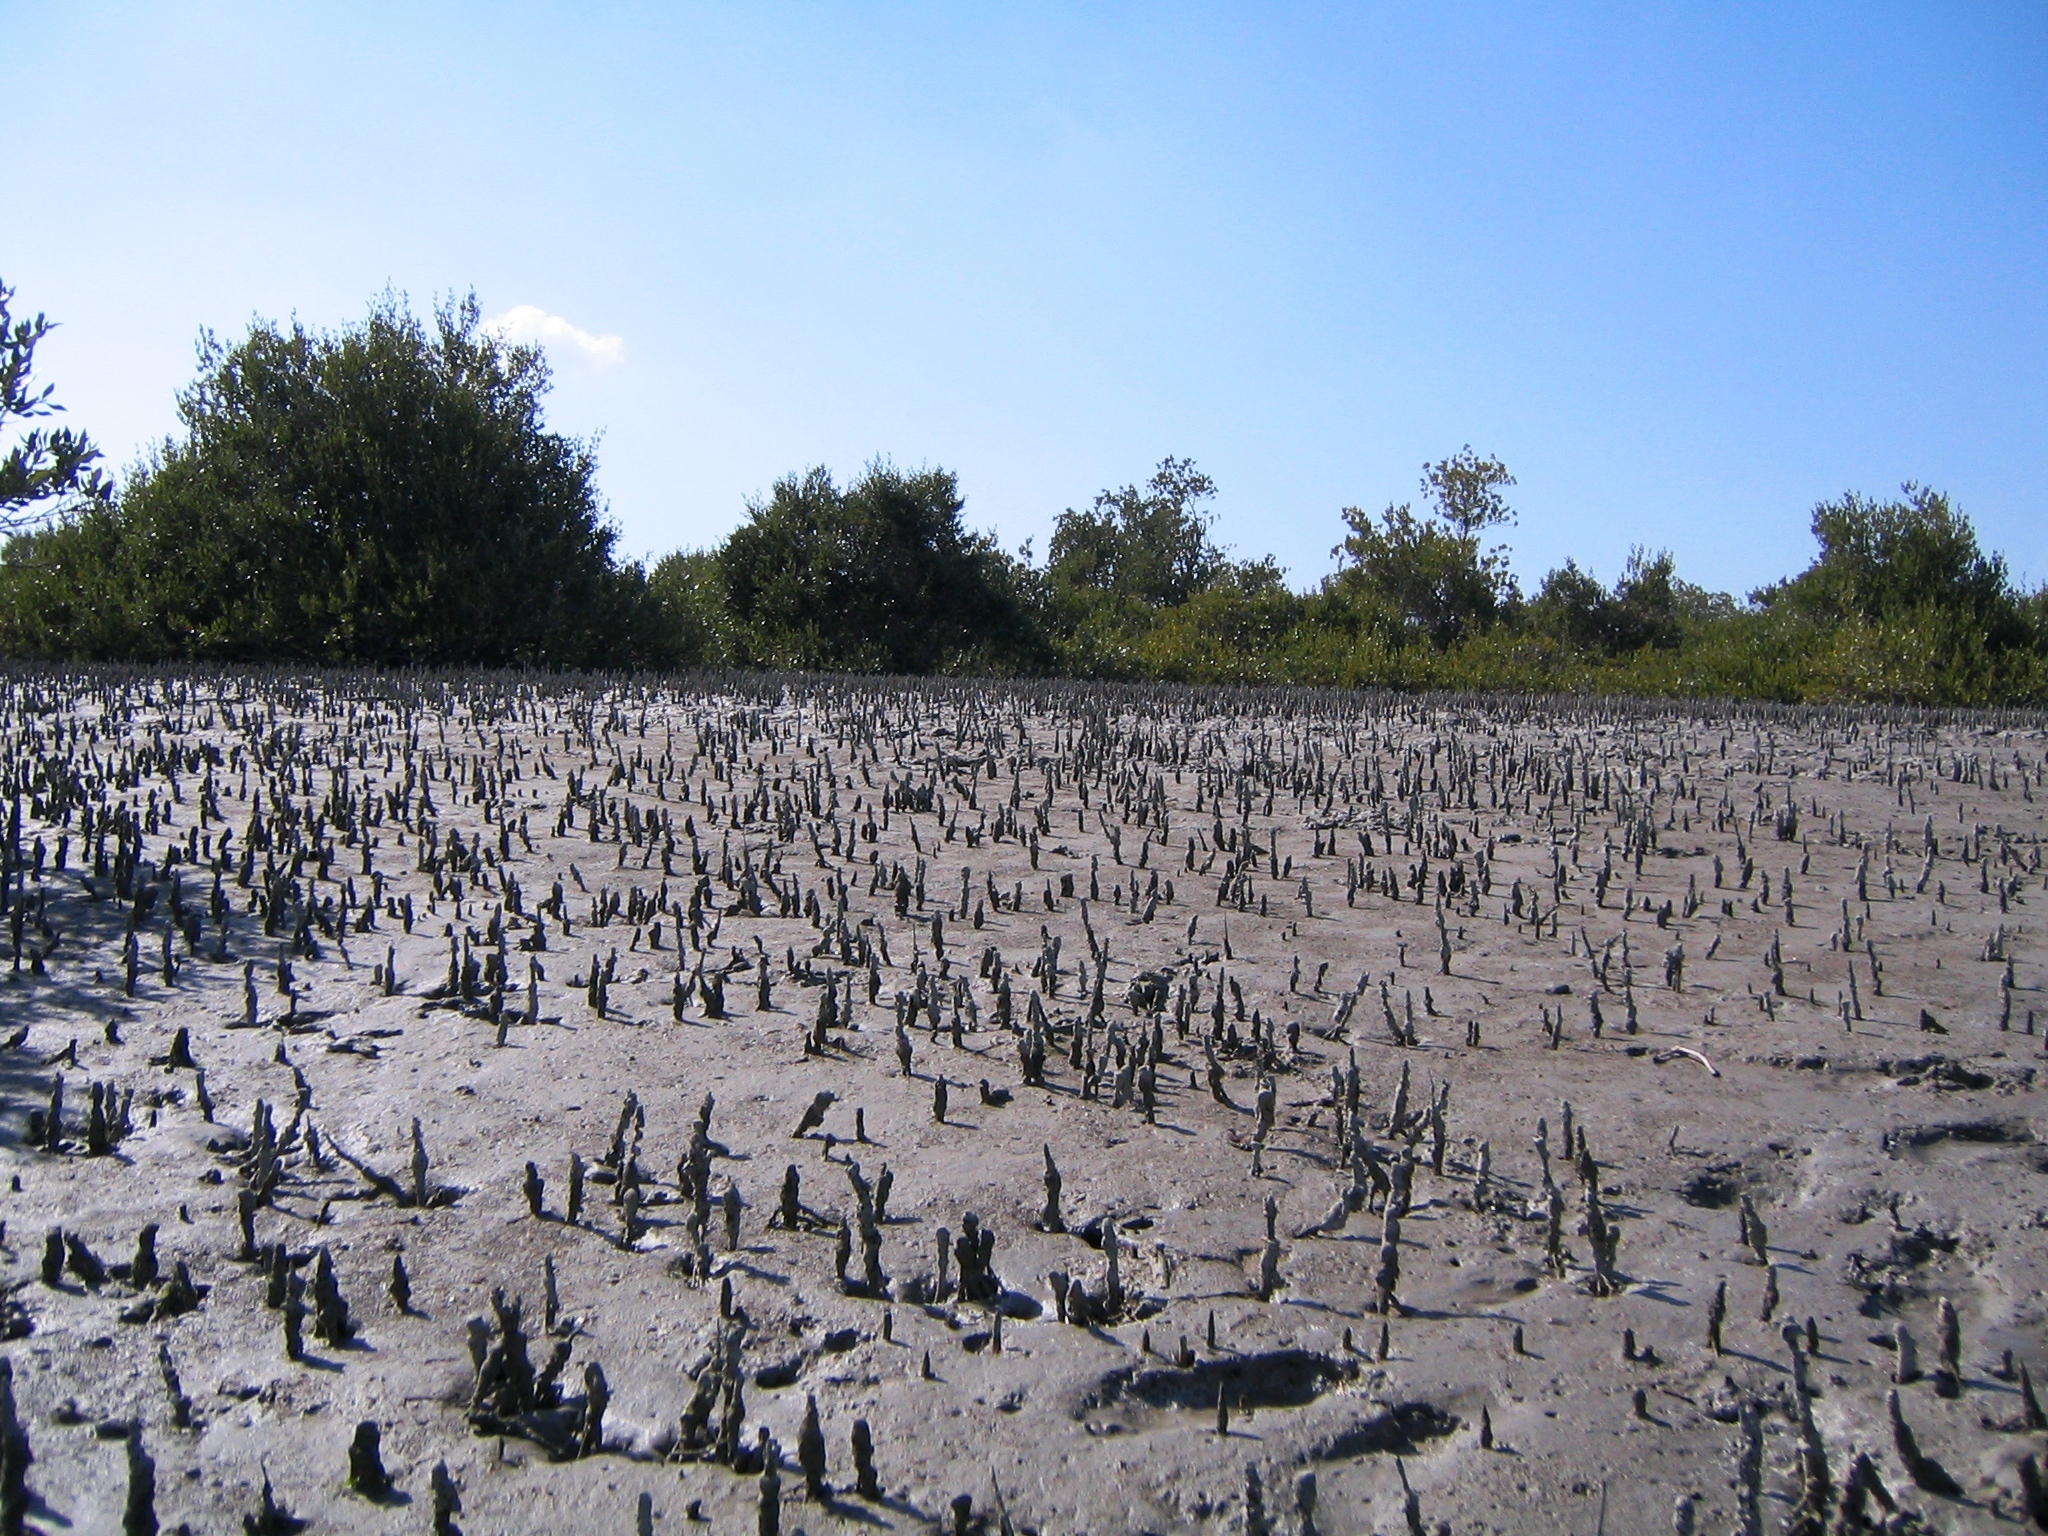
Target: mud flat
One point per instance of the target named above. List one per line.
(494, 1105)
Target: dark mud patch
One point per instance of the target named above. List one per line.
(1936, 1071)
(1713, 1189)
(1286, 1378)
(1981, 1133)
(1890, 1278)
(1402, 1430)
(1498, 1289)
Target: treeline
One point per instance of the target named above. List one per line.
(390, 494)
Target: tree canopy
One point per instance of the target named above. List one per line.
(390, 493)
(1146, 545)
(1466, 490)
(880, 576)
(48, 467)
(1428, 576)
(1643, 609)
(1913, 609)
(387, 492)
(1883, 560)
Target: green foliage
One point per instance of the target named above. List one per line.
(48, 467)
(1467, 491)
(1408, 578)
(1915, 611)
(1234, 630)
(1899, 607)
(689, 623)
(1642, 609)
(387, 493)
(1420, 576)
(879, 577)
(1134, 587)
(1572, 607)
(1145, 546)
(1884, 560)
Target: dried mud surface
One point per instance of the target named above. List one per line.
(1289, 886)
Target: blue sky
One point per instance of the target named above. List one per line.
(1687, 268)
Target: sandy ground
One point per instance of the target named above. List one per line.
(1888, 1142)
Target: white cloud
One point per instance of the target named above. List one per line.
(530, 323)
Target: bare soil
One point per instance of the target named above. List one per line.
(1269, 870)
